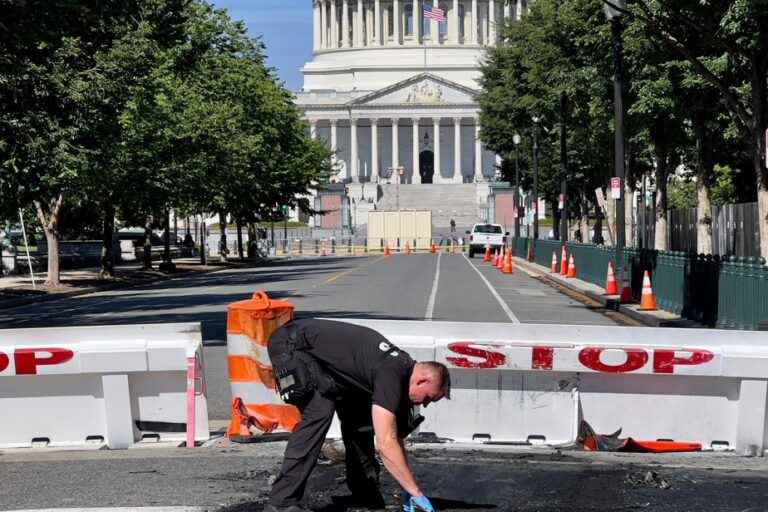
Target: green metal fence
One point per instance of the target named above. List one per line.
(728, 293)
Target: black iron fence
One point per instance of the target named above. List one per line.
(735, 230)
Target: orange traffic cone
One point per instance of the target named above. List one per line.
(495, 259)
(487, 255)
(554, 262)
(322, 248)
(571, 268)
(434, 248)
(530, 253)
(564, 263)
(453, 247)
(407, 248)
(507, 268)
(387, 252)
(626, 287)
(611, 287)
(502, 257)
(647, 299)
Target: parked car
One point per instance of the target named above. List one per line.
(486, 235)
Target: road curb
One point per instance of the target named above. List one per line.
(9, 304)
(611, 303)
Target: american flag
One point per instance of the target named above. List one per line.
(434, 13)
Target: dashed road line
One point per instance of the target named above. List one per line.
(338, 276)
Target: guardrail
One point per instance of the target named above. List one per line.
(728, 292)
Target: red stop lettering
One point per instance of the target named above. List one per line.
(3, 362)
(491, 359)
(636, 359)
(27, 359)
(542, 358)
(664, 360)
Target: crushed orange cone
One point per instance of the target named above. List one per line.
(571, 268)
(564, 263)
(626, 287)
(554, 262)
(647, 299)
(611, 287)
(507, 268)
(487, 255)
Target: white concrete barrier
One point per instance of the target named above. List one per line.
(518, 383)
(112, 384)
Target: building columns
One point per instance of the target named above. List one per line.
(491, 22)
(374, 150)
(416, 177)
(395, 143)
(334, 140)
(417, 21)
(453, 30)
(397, 22)
(313, 129)
(345, 24)
(457, 174)
(334, 26)
(359, 24)
(355, 161)
(377, 23)
(475, 22)
(436, 128)
(323, 25)
(478, 153)
(316, 26)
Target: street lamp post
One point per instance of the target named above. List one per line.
(563, 169)
(614, 9)
(516, 139)
(536, 120)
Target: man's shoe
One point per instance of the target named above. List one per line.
(290, 508)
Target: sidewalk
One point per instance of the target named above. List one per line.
(18, 290)
(658, 318)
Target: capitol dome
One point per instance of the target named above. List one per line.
(392, 85)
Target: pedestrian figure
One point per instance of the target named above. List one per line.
(324, 366)
(453, 226)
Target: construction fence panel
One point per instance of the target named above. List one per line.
(423, 229)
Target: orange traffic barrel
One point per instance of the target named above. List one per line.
(255, 401)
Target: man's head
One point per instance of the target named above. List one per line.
(430, 382)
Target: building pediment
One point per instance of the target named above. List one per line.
(423, 90)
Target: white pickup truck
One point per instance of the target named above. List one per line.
(485, 235)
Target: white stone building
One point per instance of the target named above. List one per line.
(388, 88)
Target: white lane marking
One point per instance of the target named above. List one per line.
(503, 304)
(433, 296)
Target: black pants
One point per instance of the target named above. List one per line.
(304, 444)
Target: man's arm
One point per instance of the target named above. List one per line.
(391, 450)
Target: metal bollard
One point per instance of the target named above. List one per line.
(317, 246)
(301, 248)
(333, 245)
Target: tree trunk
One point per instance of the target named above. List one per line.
(660, 240)
(629, 213)
(584, 219)
(556, 216)
(759, 102)
(203, 239)
(223, 237)
(704, 222)
(252, 240)
(107, 239)
(167, 264)
(148, 244)
(240, 239)
(599, 225)
(50, 223)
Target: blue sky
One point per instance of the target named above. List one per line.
(286, 28)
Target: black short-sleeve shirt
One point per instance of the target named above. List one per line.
(360, 359)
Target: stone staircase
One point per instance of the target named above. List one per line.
(449, 201)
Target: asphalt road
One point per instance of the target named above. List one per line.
(235, 478)
(414, 287)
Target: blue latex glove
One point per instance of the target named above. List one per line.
(421, 503)
(405, 500)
